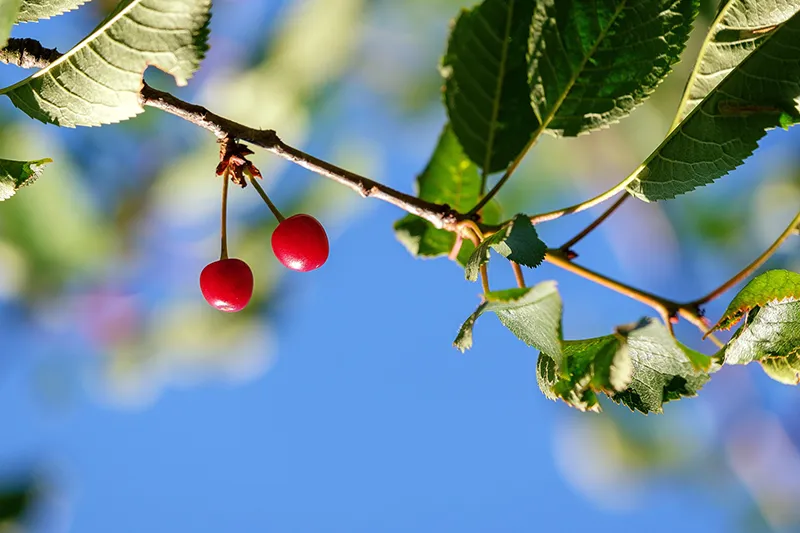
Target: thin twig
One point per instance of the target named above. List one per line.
(752, 267)
(668, 309)
(223, 253)
(485, 278)
(266, 199)
(591, 227)
(518, 275)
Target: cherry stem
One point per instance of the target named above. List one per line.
(752, 267)
(518, 274)
(593, 226)
(223, 254)
(266, 199)
(485, 278)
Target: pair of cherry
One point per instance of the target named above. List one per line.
(299, 242)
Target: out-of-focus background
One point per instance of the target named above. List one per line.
(336, 403)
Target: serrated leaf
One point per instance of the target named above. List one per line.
(532, 314)
(592, 63)
(8, 14)
(517, 241)
(770, 287)
(17, 174)
(783, 369)
(771, 331)
(739, 28)
(98, 81)
(32, 10)
(449, 178)
(662, 369)
(486, 86)
(593, 365)
(724, 129)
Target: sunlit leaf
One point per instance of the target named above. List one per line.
(44, 9)
(592, 63)
(532, 314)
(98, 81)
(450, 178)
(663, 369)
(771, 331)
(783, 369)
(591, 366)
(739, 28)
(769, 287)
(486, 87)
(518, 242)
(17, 174)
(8, 15)
(762, 93)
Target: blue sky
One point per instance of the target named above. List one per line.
(360, 416)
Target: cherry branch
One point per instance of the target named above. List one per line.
(29, 53)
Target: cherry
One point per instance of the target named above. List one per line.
(300, 243)
(227, 284)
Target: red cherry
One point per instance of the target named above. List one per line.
(300, 243)
(227, 284)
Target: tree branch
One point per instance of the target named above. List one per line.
(28, 53)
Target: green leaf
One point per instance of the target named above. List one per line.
(663, 369)
(724, 129)
(14, 503)
(770, 287)
(592, 63)
(771, 331)
(518, 242)
(486, 86)
(17, 174)
(593, 365)
(532, 314)
(783, 369)
(450, 178)
(739, 28)
(32, 10)
(98, 81)
(8, 14)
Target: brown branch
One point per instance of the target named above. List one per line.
(29, 53)
(668, 309)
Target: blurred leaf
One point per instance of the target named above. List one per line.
(663, 369)
(450, 178)
(32, 10)
(769, 287)
(739, 28)
(518, 242)
(98, 81)
(721, 132)
(592, 63)
(593, 365)
(17, 174)
(532, 314)
(14, 503)
(771, 331)
(8, 14)
(486, 86)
